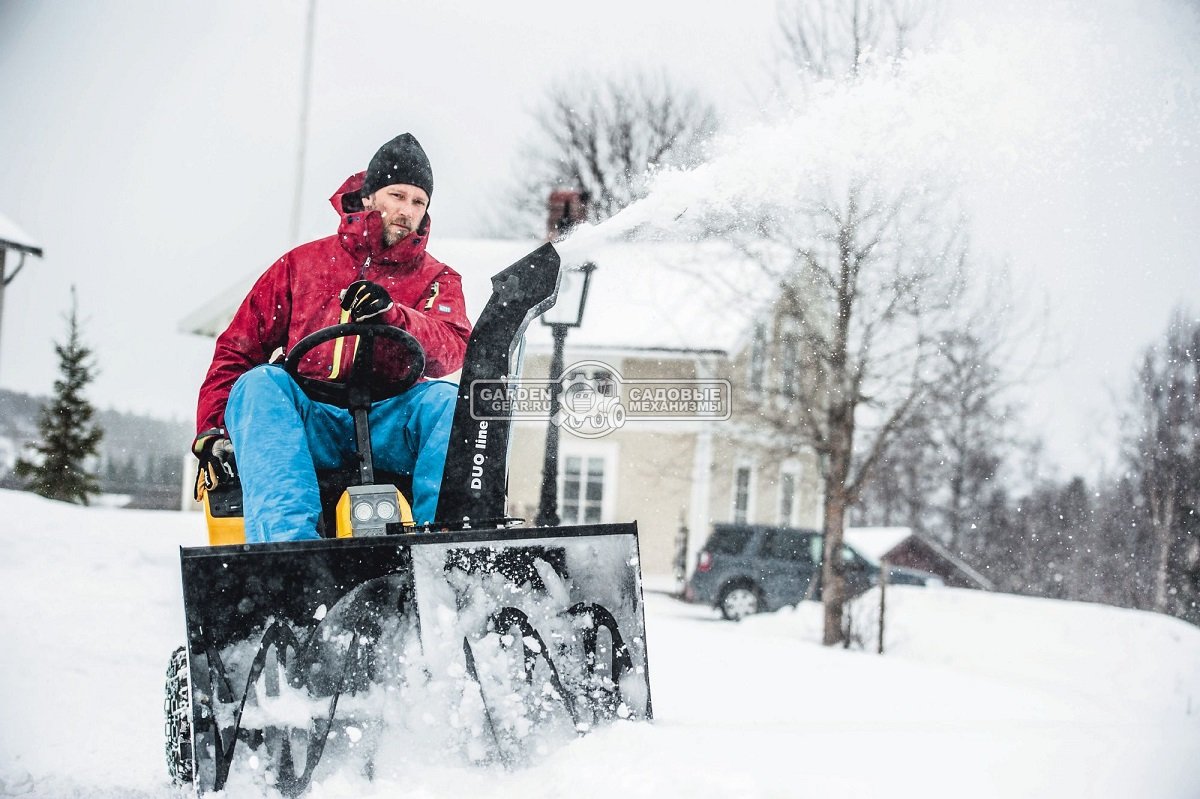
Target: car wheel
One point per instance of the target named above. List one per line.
(739, 602)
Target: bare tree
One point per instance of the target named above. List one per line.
(1163, 452)
(946, 464)
(1130, 540)
(605, 138)
(903, 486)
(869, 282)
(873, 277)
(834, 39)
(970, 429)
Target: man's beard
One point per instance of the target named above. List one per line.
(393, 236)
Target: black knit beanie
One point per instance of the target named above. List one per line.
(399, 161)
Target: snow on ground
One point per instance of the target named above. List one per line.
(979, 695)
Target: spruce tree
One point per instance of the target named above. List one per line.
(68, 436)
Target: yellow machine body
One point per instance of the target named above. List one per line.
(359, 510)
(227, 525)
(223, 530)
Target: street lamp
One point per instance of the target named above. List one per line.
(12, 238)
(566, 313)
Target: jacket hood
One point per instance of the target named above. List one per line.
(361, 231)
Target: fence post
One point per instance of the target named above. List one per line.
(883, 579)
(680, 560)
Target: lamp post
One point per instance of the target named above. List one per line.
(566, 313)
(11, 238)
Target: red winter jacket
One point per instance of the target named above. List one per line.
(298, 295)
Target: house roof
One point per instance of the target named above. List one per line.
(876, 543)
(873, 543)
(663, 295)
(13, 238)
(960, 564)
(658, 296)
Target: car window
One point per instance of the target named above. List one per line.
(849, 556)
(728, 541)
(787, 545)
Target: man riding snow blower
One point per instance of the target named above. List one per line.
(319, 637)
(375, 270)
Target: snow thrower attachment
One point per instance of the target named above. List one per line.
(474, 646)
(475, 641)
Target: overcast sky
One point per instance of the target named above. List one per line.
(150, 148)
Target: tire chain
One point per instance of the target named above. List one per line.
(177, 727)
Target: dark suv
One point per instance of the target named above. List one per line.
(745, 569)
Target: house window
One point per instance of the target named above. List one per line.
(606, 383)
(582, 499)
(758, 358)
(741, 495)
(787, 498)
(789, 384)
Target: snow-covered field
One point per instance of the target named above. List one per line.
(978, 695)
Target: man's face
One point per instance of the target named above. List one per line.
(402, 207)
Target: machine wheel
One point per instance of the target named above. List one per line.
(739, 601)
(177, 707)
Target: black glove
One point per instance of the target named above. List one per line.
(217, 464)
(365, 300)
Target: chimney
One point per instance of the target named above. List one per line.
(567, 208)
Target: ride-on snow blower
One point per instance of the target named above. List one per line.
(382, 643)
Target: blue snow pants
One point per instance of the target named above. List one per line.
(280, 437)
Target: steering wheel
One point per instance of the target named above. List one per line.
(360, 387)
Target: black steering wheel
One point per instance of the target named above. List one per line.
(361, 386)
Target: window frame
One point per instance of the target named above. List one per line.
(748, 468)
(607, 454)
(787, 516)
